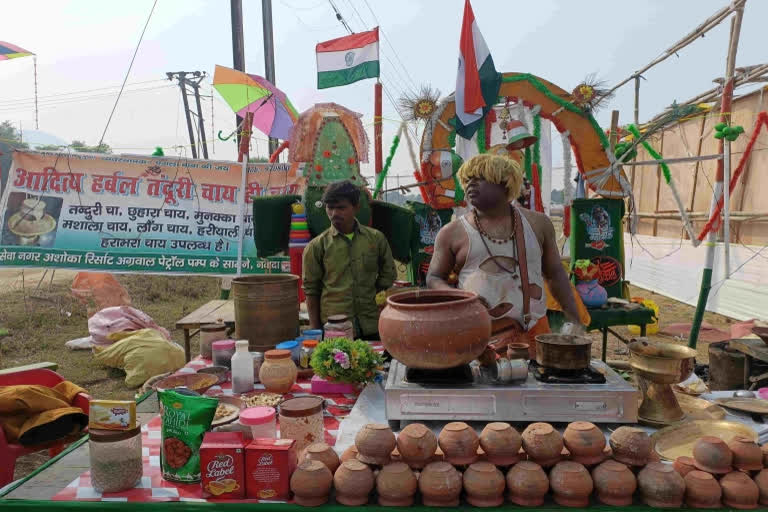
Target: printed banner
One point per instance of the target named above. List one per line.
(126, 213)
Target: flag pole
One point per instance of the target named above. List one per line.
(245, 139)
(378, 164)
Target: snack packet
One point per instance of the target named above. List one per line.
(185, 419)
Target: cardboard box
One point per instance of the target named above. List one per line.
(269, 464)
(112, 414)
(222, 465)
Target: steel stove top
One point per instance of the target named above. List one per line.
(614, 401)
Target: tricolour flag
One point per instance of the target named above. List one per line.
(348, 59)
(477, 82)
(9, 51)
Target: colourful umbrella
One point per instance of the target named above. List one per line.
(9, 51)
(273, 113)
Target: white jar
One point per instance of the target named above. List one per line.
(242, 368)
(261, 421)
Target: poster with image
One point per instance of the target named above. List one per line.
(131, 213)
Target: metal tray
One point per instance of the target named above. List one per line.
(750, 405)
(678, 440)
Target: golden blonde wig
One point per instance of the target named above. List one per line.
(493, 169)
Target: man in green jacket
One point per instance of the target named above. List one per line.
(346, 265)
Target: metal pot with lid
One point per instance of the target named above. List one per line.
(563, 351)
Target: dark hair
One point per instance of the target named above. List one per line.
(342, 190)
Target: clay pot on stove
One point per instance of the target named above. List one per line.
(571, 484)
(747, 456)
(527, 484)
(518, 351)
(396, 485)
(375, 443)
(543, 444)
(416, 444)
(661, 486)
(630, 446)
(684, 465)
(353, 482)
(311, 483)
(323, 453)
(484, 485)
(702, 490)
(615, 483)
(761, 479)
(586, 443)
(712, 455)
(501, 444)
(434, 329)
(739, 491)
(440, 485)
(349, 454)
(459, 442)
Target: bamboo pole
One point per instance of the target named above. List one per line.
(725, 109)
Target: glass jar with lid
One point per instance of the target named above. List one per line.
(208, 334)
(223, 350)
(116, 463)
(307, 348)
(292, 345)
(302, 419)
(339, 323)
(258, 360)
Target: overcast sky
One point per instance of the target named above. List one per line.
(86, 45)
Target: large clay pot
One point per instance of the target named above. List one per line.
(311, 483)
(459, 442)
(417, 445)
(434, 329)
(661, 486)
(615, 483)
(702, 490)
(484, 485)
(585, 442)
(375, 443)
(278, 372)
(440, 485)
(501, 444)
(739, 491)
(712, 455)
(527, 484)
(761, 479)
(543, 444)
(630, 446)
(353, 482)
(747, 455)
(571, 484)
(323, 453)
(396, 484)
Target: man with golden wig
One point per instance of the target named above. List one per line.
(503, 253)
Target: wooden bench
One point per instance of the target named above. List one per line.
(35, 366)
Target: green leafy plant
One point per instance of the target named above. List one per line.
(345, 360)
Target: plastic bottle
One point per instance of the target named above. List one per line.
(242, 368)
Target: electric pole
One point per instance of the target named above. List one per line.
(269, 54)
(192, 79)
(238, 48)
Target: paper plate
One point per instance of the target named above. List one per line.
(750, 405)
(231, 402)
(678, 440)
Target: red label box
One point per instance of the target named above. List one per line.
(222, 465)
(269, 464)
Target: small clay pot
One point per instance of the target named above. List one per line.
(484, 485)
(543, 444)
(747, 456)
(501, 444)
(739, 491)
(311, 483)
(702, 490)
(349, 454)
(518, 351)
(440, 485)
(353, 482)
(459, 441)
(712, 455)
(527, 484)
(630, 446)
(684, 465)
(416, 444)
(323, 453)
(585, 442)
(375, 443)
(761, 479)
(396, 485)
(661, 486)
(571, 484)
(615, 483)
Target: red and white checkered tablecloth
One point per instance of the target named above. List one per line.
(154, 488)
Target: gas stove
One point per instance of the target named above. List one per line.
(611, 401)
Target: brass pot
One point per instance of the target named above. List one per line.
(563, 351)
(661, 363)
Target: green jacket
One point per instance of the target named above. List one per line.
(347, 274)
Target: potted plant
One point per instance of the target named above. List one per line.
(592, 294)
(341, 365)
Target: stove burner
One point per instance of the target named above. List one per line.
(447, 377)
(555, 376)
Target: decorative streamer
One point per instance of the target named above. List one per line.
(527, 161)
(387, 163)
(481, 139)
(567, 182)
(537, 144)
(536, 184)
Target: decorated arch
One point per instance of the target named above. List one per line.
(568, 112)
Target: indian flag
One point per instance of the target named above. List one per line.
(348, 59)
